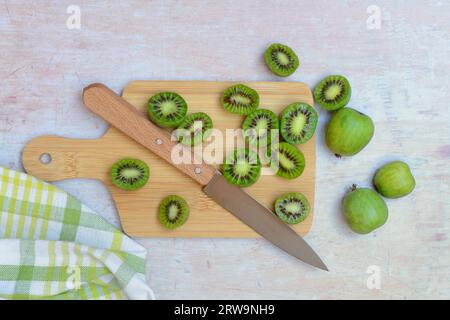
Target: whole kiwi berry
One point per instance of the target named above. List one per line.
(364, 210)
(348, 132)
(394, 180)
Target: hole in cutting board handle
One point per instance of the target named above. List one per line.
(45, 158)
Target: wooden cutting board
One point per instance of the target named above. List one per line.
(75, 158)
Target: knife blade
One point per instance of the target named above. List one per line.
(118, 112)
(261, 219)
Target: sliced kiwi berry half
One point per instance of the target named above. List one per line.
(281, 60)
(240, 99)
(333, 92)
(129, 174)
(242, 167)
(167, 109)
(298, 123)
(292, 207)
(194, 129)
(173, 212)
(287, 161)
(258, 126)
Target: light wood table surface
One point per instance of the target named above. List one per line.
(399, 75)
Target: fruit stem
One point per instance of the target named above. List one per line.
(354, 187)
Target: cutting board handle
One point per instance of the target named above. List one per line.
(53, 158)
(118, 112)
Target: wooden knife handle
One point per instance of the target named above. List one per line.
(115, 110)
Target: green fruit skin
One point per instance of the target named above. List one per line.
(349, 131)
(364, 210)
(394, 180)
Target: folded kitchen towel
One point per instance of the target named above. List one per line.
(54, 247)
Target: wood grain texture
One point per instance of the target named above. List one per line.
(399, 76)
(138, 209)
(125, 117)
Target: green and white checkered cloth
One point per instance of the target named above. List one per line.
(53, 247)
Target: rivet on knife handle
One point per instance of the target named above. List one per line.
(115, 110)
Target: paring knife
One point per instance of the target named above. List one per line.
(115, 110)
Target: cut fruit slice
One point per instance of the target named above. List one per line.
(292, 208)
(167, 109)
(298, 123)
(281, 60)
(287, 161)
(242, 168)
(240, 99)
(333, 93)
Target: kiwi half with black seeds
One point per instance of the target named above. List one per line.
(298, 122)
(240, 99)
(281, 59)
(287, 161)
(333, 92)
(258, 126)
(194, 129)
(173, 212)
(242, 167)
(167, 109)
(292, 207)
(129, 174)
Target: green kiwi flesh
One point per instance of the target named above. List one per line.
(287, 161)
(194, 129)
(259, 124)
(281, 60)
(333, 92)
(242, 167)
(173, 212)
(129, 174)
(292, 208)
(298, 123)
(240, 99)
(167, 109)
